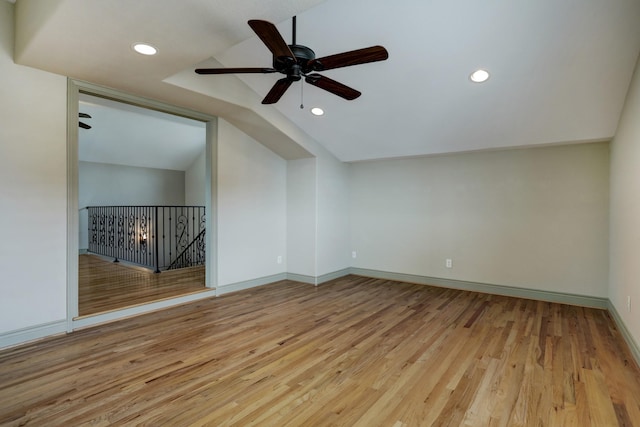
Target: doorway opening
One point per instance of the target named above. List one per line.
(140, 187)
(141, 197)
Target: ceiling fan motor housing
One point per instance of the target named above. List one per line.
(303, 56)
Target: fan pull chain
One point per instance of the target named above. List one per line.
(302, 95)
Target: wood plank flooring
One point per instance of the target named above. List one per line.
(352, 352)
(104, 285)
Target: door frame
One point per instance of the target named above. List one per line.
(74, 88)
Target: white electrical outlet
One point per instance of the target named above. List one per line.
(354, 254)
(629, 303)
(448, 263)
(279, 259)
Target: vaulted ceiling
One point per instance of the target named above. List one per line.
(559, 69)
(125, 134)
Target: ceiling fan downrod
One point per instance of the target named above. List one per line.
(293, 30)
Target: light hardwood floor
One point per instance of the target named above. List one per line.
(104, 285)
(352, 352)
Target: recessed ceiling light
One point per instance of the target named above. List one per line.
(317, 111)
(479, 76)
(144, 49)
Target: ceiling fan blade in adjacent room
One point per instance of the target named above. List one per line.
(84, 115)
(333, 86)
(277, 91)
(84, 125)
(235, 70)
(271, 37)
(347, 59)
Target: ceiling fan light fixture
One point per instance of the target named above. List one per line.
(317, 111)
(479, 76)
(144, 49)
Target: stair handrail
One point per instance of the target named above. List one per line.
(187, 249)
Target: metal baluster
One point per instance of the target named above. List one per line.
(156, 240)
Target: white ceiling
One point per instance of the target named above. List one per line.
(560, 69)
(125, 134)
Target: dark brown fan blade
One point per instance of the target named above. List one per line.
(271, 37)
(346, 59)
(333, 86)
(84, 125)
(235, 70)
(84, 115)
(277, 91)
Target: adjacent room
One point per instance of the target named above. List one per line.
(141, 197)
(333, 213)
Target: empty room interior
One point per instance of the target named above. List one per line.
(315, 212)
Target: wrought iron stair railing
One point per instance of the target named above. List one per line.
(152, 236)
(192, 255)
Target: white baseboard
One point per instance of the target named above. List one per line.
(633, 345)
(248, 284)
(311, 280)
(559, 297)
(24, 335)
(317, 280)
(334, 275)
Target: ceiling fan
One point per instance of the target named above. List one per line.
(83, 125)
(296, 61)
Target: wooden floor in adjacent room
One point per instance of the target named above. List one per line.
(104, 285)
(353, 352)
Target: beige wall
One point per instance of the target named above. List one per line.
(624, 257)
(531, 218)
(194, 182)
(302, 217)
(252, 208)
(317, 216)
(33, 117)
(333, 215)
